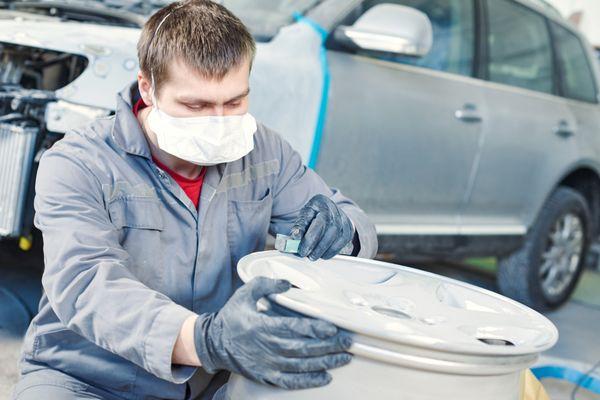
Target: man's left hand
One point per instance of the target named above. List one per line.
(323, 229)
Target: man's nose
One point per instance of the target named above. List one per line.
(219, 111)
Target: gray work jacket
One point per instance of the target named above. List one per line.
(128, 257)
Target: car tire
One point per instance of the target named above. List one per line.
(526, 275)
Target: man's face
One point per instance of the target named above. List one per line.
(187, 94)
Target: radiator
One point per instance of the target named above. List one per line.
(17, 146)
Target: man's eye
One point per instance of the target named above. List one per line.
(234, 104)
(194, 107)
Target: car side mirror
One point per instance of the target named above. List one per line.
(390, 28)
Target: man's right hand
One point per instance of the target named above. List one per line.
(289, 352)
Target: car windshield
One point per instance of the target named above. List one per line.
(264, 18)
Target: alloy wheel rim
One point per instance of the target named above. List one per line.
(562, 255)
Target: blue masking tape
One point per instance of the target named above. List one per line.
(298, 17)
(568, 374)
(316, 146)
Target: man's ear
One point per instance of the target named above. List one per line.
(145, 88)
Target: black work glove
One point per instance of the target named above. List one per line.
(291, 352)
(323, 229)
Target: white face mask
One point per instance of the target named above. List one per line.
(203, 140)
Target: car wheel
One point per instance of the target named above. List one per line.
(544, 272)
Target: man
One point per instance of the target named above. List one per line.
(145, 215)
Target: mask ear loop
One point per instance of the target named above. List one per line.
(153, 93)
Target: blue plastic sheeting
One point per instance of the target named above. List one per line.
(316, 145)
(287, 84)
(588, 382)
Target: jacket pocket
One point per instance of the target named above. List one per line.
(248, 225)
(139, 221)
(136, 212)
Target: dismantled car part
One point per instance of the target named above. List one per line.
(410, 329)
(17, 146)
(32, 118)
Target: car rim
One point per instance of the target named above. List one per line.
(562, 255)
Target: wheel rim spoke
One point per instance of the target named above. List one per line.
(546, 267)
(562, 255)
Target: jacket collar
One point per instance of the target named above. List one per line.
(127, 132)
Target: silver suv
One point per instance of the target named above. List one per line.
(463, 127)
(487, 145)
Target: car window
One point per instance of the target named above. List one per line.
(519, 47)
(453, 35)
(576, 76)
(264, 18)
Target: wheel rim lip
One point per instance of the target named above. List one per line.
(564, 251)
(422, 340)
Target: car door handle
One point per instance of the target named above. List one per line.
(468, 113)
(564, 129)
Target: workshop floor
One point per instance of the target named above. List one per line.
(578, 321)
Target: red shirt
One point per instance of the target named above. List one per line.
(191, 187)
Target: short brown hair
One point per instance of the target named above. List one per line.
(204, 35)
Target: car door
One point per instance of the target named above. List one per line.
(579, 87)
(402, 133)
(527, 135)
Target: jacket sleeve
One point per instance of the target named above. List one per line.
(296, 184)
(86, 278)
